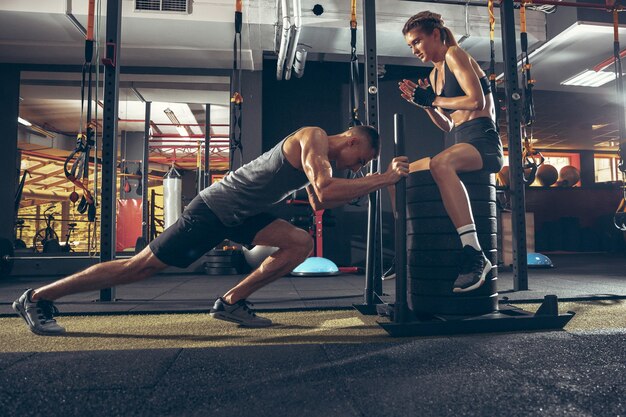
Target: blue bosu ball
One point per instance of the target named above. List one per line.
(316, 267)
(538, 260)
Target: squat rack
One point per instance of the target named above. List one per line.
(513, 102)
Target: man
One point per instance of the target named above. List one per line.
(234, 209)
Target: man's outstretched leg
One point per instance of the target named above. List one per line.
(294, 246)
(36, 306)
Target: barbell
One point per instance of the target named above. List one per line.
(7, 257)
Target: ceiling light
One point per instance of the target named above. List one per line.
(170, 115)
(24, 121)
(41, 132)
(588, 78)
(607, 143)
(568, 34)
(182, 131)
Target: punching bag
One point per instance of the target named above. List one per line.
(172, 196)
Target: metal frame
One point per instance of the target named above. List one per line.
(401, 308)
(513, 99)
(9, 102)
(207, 146)
(144, 170)
(109, 139)
(406, 323)
(373, 265)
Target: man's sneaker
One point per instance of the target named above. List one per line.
(39, 315)
(474, 268)
(391, 272)
(239, 312)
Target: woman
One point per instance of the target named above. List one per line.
(460, 101)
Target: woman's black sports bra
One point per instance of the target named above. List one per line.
(451, 87)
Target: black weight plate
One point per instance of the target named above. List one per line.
(444, 288)
(454, 306)
(442, 258)
(439, 273)
(431, 209)
(220, 271)
(220, 265)
(424, 177)
(214, 258)
(430, 192)
(220, 253)
(447, 241)
(444, 225)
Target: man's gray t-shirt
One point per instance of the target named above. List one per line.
(254, 187)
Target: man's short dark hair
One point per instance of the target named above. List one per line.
(372, 135)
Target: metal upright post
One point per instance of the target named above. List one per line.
(373, 267)
(109, 138)
(513, 112)
(207, 146)
(9, 157)
(145, 158)
(400, 307)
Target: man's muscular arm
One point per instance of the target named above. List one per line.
(331, 192)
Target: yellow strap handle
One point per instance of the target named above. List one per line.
(492, 20)
(90, 20)
(353, 14)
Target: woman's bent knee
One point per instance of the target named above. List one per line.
(439, 165)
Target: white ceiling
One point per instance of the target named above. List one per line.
(36, 31)
(39, 32)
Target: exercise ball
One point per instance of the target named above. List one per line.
(503, 177)
(568, 176)
(316, 266)
(255, 256)
(538, 260)
(547, 175)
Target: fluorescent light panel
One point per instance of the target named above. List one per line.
(24, 121)
(588, 78)
(566, 35)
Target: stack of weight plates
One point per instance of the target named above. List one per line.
(224, 262)
(434, 247)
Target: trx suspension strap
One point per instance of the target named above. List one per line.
(354, 88)
(236, 99)
(492, 62)
(20, 189)
(528, 82)
(531, 158)
(76, 166)
(620, 215)
(354, 70)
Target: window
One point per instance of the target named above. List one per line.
(605, 168)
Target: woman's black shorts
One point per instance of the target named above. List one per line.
(482, 134)
(198, 230)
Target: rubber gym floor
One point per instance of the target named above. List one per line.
(156, 352)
